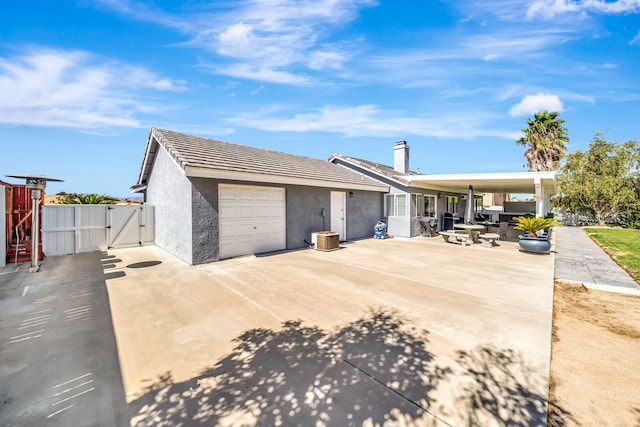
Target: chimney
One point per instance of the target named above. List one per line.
(401, 157)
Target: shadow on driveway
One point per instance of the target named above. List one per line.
(373, 371)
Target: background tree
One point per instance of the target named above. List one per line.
(546, 140)
(603, 181)
(85, 199)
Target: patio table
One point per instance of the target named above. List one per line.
(472, 229)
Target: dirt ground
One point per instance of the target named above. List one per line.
(595, 379)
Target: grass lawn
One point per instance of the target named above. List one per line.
(623, 245)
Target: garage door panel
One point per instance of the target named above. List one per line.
(264, 212)
(268, 230)
(276, 196)
(226, 211)
(227, 230)
(245, 211)
(276, 211)
(262, 194)
(226, 193)
(235, 246)
(244, 193)
(237, 229)
(266, 244)
(245, 229)
(252, 219)
(269, 227)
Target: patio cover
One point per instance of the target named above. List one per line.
(541, 184)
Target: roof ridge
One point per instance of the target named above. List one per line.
(241, 145)
(208, 153)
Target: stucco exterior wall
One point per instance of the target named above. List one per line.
(170, 192)
(364, 210)
(305, 204)
(205, 221)
(304, 207)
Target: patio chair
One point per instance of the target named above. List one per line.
(503, 230)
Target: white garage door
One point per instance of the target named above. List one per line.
(252, 219)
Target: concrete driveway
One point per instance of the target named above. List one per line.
(393, 332)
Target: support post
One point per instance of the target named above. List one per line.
(36, 194)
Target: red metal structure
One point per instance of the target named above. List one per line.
(18, 229)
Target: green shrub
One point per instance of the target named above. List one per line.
(531, 224)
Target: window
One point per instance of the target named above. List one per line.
(417, 203)
(430, 210)
(395, 205)
(452, 204)
(478, 205)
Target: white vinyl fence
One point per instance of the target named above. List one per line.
(69, 229)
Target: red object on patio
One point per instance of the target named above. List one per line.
(18, 213)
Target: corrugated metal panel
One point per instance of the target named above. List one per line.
(3, 230)
(18, 223)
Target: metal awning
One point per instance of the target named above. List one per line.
(511, 182)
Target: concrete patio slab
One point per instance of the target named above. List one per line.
(394, 332)
(431, 333)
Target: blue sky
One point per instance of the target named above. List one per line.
(82, 82)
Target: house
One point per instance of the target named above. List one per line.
(414, 196)
(216, 199)
(407, 203)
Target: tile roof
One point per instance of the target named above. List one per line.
(381, 170)
(194, 151)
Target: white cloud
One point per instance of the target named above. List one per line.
(505, 10)
(272, 36)
(550, 8)
(58, 88)
(143, 78)
(620, 6)
(246, 71)
(145, 11)
(531, 104)
(278, 34)
(370, 120)
(326, 59)
(257, 91)
(636, 39)
(474, 60)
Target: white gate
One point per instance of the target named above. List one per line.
(68, 229)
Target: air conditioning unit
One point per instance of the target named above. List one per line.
(325, 240)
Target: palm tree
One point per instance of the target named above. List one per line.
(546, 140)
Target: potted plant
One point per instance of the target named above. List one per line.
(531, 242)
